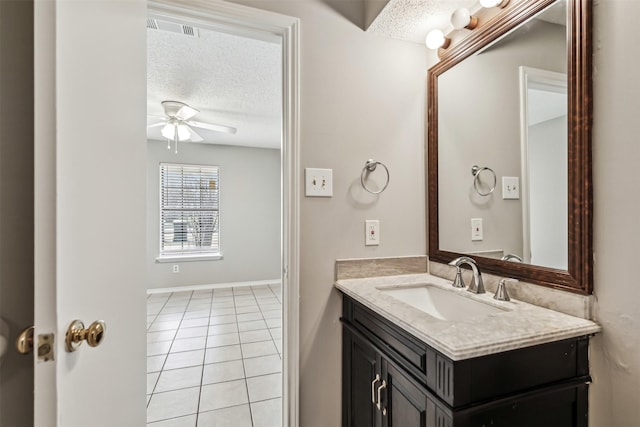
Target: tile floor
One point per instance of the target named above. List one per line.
(214, 358)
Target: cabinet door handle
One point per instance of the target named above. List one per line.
(379, 404)
(373, 389)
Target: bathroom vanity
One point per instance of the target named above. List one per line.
(419, 352)
(404, 365)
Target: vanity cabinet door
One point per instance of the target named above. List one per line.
(361, 368)
(407, 405)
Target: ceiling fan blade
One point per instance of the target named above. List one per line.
(194, 135)
(209, 126)
(185, 112)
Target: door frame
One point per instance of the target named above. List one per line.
(249, 22)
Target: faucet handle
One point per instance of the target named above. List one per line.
(502, 294)
(458, 282)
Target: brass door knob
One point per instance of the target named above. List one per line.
(76, 333)
(24, 342)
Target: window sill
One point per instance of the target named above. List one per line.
(189, 257)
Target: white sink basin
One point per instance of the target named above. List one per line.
(439, 303)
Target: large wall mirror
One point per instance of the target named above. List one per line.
(509, 145)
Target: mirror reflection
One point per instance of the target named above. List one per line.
(502, 147)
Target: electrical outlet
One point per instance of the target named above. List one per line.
(510, 187)
(176, 268)
(372, 232)
(318, 182)
(476, 229)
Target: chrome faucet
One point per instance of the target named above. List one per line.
(476, 285)
(511, 257)
(501, 293)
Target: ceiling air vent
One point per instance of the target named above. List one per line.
(151, 23)
(172, 27)
(189, 30)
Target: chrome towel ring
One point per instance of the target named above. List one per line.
(369, 167)
(476, 171)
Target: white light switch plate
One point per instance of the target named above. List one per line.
(510, 187)
(318, 182)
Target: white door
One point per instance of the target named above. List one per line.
(90, 142)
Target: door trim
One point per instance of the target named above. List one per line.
(250, 22)
(45, 409)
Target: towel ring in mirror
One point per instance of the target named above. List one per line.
(476, 171)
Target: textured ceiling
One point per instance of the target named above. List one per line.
(412, 19)
(233, 81)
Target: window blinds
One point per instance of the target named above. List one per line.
(189, 209)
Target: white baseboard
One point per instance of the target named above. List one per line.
(214, 286)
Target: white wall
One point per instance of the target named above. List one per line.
(16, 205)
(362, 96)
(471, 97)
(615, 356)
(249, 215)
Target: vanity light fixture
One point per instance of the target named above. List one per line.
(436, 39)
(494, 3)
(462, 18)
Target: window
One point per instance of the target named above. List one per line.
(189, 211)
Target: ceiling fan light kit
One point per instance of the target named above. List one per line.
(169, 131)
(176, 126)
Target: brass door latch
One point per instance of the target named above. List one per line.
(24, 344)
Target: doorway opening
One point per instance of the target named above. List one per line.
(543, 130)
(221, 324)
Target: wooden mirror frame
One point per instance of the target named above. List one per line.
(579, 276)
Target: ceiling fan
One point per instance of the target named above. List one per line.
(177, 126)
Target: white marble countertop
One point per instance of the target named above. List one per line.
(518, 325)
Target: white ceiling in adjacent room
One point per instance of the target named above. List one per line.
(234, 81)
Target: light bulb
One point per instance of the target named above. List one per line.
(462, 18)
(168, 131)
(436, 39)
(183, 132)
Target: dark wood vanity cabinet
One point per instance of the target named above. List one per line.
(372, 378)
(392, 379)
